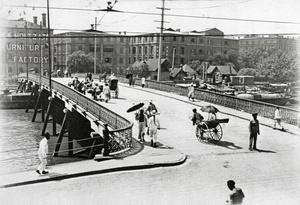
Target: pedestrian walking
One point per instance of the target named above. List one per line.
(191, 92)
(150, 108)
(254, 131)
(237, 195)
(133, 80)
(197, 120)
(43, 150)
(142, 123)
(277, 119)
(143, 81)
(154, 125)
(106, 92)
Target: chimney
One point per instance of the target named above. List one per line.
(44, 19)
(35, 19)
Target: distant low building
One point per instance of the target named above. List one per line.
(216, 74)
(242, 80)
(182, 72)
(153, 68)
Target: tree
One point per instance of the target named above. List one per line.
(280, 67)
(249, 59)
(247, 72)
(143, 70)
(80, 62)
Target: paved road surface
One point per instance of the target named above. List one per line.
(268, 176)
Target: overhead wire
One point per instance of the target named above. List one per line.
(172, 15)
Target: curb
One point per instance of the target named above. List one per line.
(103, 171)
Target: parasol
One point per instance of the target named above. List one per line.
(135, 107)
(210, 108)
(129, 75)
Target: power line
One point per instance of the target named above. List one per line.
(171, 15)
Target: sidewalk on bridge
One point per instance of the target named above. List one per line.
(148, 157)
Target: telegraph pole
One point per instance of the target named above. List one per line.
(160, 38)
(49, 47)
(26, 42)
(95, 49)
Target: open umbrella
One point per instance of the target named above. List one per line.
(210, 108)
(129, 75)
(135, 107)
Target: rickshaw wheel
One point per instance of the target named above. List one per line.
(205, 132)
(217, 133)
(117, 93)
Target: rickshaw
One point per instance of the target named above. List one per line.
(113, 85)
(210, 129)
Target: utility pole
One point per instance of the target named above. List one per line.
(160, 38)
(49, 47)
(95, 49)
(26, 46)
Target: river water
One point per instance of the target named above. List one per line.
(19, 141)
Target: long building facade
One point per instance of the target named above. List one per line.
(25, 46)
(111, 50)
(269, 42)
(181, 47)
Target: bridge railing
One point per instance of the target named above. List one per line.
(120, 136)
(264, 109)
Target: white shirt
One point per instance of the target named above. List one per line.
(143, 80)
(43, 149)
(154, 123)
(277, 114)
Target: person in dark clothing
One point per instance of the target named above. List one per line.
(142, 121)
(254, 131)
(237, 195)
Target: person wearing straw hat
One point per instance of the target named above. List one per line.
(154, 125)
(43, 150)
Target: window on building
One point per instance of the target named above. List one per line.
(146, 38)
(151, 49)
(80, 47)
(21, 70)
(192, 51)
(182, 61)
(182, 38)
(192, 40)
(107, 60)
(146, 50)
(10, 69)
(134, 50)
(225, 52)
(182, 50)
(140, 50)
(200, 51)
(121, 50)
(226, 43)
(121, 61)
(121, 39)
(163, 48)
(163, 38)
(54, 59)
(201, 40)
(174, 38)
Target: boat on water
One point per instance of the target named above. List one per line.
(10, 99)
(272, 98)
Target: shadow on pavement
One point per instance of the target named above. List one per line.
(266, 151)
(228, 145)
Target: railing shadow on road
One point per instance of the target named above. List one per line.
(226, 144)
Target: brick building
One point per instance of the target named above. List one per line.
(111, 50)
(181, 47)
(24, 48)
(269, 42)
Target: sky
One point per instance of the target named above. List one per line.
(191, 15)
